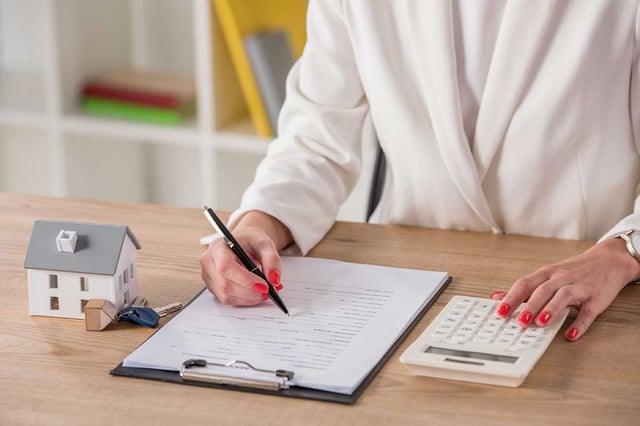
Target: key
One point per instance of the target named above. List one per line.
(140, 315)
(138, 301)
(168, 309)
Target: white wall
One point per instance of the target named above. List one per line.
(68, 292)
(127, 257)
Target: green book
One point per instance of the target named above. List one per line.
(133, 112)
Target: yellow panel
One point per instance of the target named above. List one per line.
(240, 17)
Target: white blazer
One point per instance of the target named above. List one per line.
(556, 149)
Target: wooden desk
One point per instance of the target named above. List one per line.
(55, 372)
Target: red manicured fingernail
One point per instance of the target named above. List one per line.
(544, 317)
(525, 317)
(572, 333)
(278, 286)
(262, 288)
(503, 309)
(274, 277)
(265, 296)
(497, 294)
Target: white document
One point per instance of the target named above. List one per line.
(344, 318)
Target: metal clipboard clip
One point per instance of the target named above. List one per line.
(235, 373)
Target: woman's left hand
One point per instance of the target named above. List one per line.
(588, 282)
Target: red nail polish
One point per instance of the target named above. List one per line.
(525, 317)
(544, 317)
(503, 309)
(262, 288)
(265, 296)
(572, 333)
(496, 294)
(274, 277)
(278, 286)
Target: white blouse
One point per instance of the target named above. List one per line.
(504, 116)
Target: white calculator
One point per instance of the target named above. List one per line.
(468, 341)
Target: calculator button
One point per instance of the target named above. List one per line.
(450, 321)
(439, 334)
(455, 340)
(445, 328)
(483, 307)
(462, 336)
(534, 331)
(493, 324)
(506, 337)
(482, 338)
(513, 327)
(526, 342)
(502, 340)
(488, 332)
(472, 322)
(457, 313)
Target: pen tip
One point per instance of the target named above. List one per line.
(288, 314)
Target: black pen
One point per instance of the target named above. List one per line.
(219, 226)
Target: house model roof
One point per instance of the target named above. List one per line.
(97, 250)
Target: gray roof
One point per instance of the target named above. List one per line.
(97, 251)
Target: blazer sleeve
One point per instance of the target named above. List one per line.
(314, 163)
(633, 220)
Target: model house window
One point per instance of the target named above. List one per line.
(54, 304)
(126, 275)
(126, 297)
(83, 303)
(84, 284)
(53, 281)
(120, 282)
(131, 271)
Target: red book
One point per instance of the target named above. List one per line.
(143, 88)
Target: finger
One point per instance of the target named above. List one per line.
(230, 293)
(227, 278)
(497, 295)
(237, 301)
(228, 266)
(267, 255)
(583, 321)
(572, 295)
(536, 306)
(521, 290)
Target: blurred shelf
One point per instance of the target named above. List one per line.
(51, 48)
(186, 134)
(240, 136)
(17, 118)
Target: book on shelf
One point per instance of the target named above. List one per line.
(149, 97)
(242, 20)
(271, 59)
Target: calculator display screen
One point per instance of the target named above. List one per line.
(472, 355)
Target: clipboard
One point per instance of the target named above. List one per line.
(196, 377)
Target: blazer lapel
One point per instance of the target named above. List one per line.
(522, 30)
(434, 47)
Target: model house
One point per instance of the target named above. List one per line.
(69, 263)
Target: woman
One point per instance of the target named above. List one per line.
(511, 117)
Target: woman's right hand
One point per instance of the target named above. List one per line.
(261, 236)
